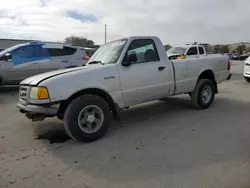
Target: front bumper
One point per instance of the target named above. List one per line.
(47, 110)
(38, 112)
(246, 75)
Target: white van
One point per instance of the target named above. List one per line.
(28, 59)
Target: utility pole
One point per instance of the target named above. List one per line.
(105, 34)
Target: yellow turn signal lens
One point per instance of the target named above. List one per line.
(43, 93)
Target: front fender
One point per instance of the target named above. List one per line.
(61, 87)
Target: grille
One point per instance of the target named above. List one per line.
(23, 94)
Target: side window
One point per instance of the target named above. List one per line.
(192, 51)
(23, 52)
(40, 52)
(30, 51)
(69, 51)
(61, 52)
(144, 49)
(201, 50)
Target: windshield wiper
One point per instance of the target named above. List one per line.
(95, 62)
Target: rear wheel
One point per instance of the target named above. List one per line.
(203, 95)
(247, 79)
(87, 118)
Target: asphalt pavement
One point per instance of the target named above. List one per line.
(159, 144)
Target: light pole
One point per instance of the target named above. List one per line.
(105, 34)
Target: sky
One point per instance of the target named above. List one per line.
(174, 21)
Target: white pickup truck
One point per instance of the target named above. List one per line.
(186, 52)
(120, 74)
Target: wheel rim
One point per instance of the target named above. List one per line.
(90, 119)
(206, 94)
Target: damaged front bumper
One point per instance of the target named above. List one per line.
(38, 112)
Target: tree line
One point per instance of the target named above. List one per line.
(82, 41)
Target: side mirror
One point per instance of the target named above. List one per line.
(126, 63)
(129, 59)
(7, 57)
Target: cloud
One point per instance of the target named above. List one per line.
(174, 21)
(42, 3)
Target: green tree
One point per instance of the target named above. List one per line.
(248, 49)
(167, 47)
(81, 41)
(216, 48)
(223, 49)
(241, 48)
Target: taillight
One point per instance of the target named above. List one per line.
(228, 65)
(86, 58)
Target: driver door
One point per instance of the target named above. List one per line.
(145, 79)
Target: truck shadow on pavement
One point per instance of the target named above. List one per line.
(161, 138)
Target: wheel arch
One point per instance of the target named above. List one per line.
(208, 74)
(94, 91)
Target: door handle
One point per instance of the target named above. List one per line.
(64, 61)
(161, 68)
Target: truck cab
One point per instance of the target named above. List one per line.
(186, 52)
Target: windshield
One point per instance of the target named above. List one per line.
(9, 49)
(109, 53)
(176, 50)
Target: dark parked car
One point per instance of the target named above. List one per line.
(235, 56)
(244, 56)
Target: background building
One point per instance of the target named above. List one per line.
(6, 43)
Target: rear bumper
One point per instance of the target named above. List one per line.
(229, 76)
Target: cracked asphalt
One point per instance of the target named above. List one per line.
(158, 144)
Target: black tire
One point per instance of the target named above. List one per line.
(71, 118)
(247, 79)
(196, 95)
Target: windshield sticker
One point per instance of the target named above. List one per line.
(118, 43)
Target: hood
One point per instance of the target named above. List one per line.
(35, 80)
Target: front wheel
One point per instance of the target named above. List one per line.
(87, 118)
(247, 79)
(203, 95)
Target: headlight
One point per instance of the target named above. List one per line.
(39, 93)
